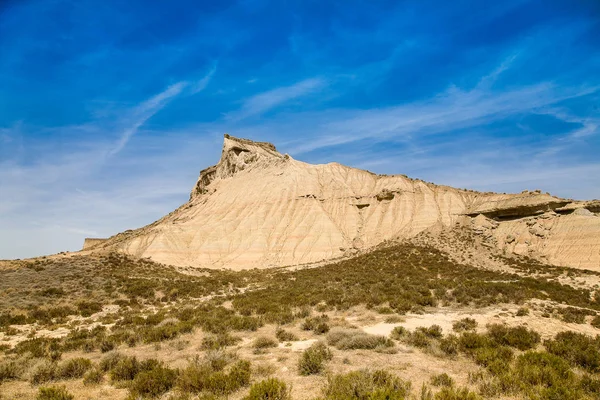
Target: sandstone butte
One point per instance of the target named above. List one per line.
(258, 208)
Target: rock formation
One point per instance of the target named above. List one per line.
(259, 208)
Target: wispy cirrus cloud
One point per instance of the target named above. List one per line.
(263, 102)
(144, 111)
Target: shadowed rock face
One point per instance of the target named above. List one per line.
(259, 208)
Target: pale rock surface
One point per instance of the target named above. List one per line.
(258, 208)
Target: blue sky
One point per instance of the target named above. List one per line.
(109, 109)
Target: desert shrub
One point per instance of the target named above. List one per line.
(394, 319)
(577, 348)
(285, 336)
(596, 322)
(465, 324)
(107, 345)
(314, 358)
(54, 393)
(495, 359)
(125, 369)
(110, 360)
(167, 331)
(205, 376)
(442, 380)
(154, 382)
(264, 342)
(451, 393)
(215, 342)
(434, 331)
(399, 332)
(9, 370)
(384, 310)
(74, 368)
(366, 385)
(356, 339)
(46, 371)
(94, 376)
(40, 348)
(318, 324)
(87, 308)
(518, 337)
(591, 385)
(418, 339)
(471, 341)
(574, 315)
(546, 376)
(53, 292)
(269, 389)
(522, 311)
(450, 345)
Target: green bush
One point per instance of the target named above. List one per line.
(219, 341)
(314, 358)
(518, 337)
(318, 324)
(596, 322)
(442, 380)
(46, 371)
(285, 336)
(94, 376)
(376, 385)
(87, 308)
(433, 332)
(54, 393)
(465, 324)
(575, 315)
(206, 376)
(399, 333)
(74, 368)
(495, 359)
(418, 339)
(356, 339)
(125, 369)
(110, 361)
(154, 382)
(450, 345)
(545, 376)
(523, 311)
(269, 389)
(9, 370)
(451, 393)
(264, 342)
(579, 349)
(107, 345)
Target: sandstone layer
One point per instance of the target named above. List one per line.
(258, 208)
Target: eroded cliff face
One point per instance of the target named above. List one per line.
(259, 208)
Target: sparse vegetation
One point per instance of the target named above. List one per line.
(54, 393)
(356, 339)
(364, 384)
(269, 389)
(153, 382)
(465, 324)
(153, 303)
(314, 358)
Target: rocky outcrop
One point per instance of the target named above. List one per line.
(521, 205)
(90, 243)
(259, 208)
(237, 155)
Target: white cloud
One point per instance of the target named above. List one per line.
(265, 101)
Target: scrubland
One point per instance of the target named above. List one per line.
(404, 321)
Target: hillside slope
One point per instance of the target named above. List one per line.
(259, 208)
